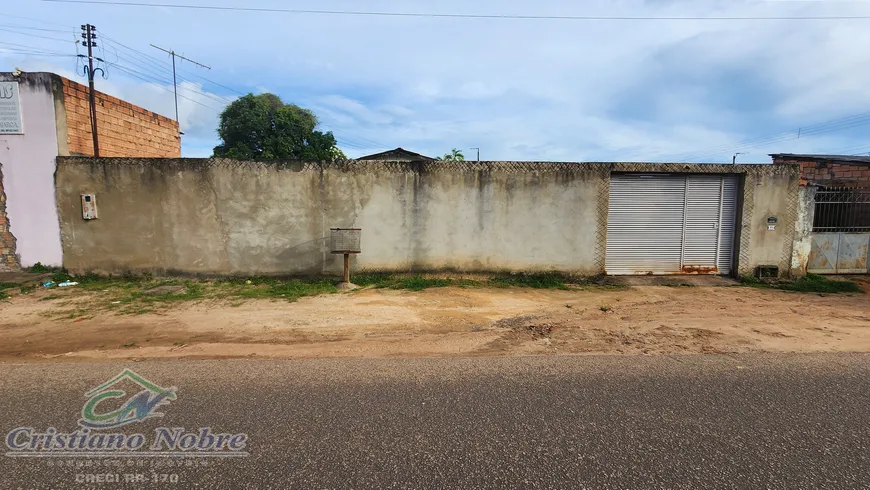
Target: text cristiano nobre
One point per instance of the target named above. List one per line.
(27, 439)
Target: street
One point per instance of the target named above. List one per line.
(716, 421)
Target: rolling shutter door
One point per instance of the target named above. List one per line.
(728, 224)
(645, 224)
(665, 224)
(702, 223)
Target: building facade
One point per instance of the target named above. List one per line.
(832, 232)
(43, 116)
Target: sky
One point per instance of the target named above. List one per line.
(517, 89)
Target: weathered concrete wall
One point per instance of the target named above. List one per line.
(8, 257)
(225, 217)
(803, 228)
(28, 172)
(772, 194)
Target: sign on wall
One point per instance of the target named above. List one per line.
(10, 109)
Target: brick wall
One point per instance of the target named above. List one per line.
(124, 130)
(822, 172)
(8, 259)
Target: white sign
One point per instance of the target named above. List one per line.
(771, 227)
(10, 109)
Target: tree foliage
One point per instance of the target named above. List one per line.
(454, 156)
(262, 127)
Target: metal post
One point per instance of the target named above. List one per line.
(346, 268)
(175, 86)
(91, 96)
(174, 55)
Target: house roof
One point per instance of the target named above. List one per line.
(400, 154)
(827, 158)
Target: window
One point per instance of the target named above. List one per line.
(842, 209)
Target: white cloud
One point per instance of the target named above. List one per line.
(519, 89)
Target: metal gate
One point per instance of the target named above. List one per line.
(841, 231)
(838, 253)
(671, 224)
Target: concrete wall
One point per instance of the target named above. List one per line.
(225, 217)
(28, 162)
(8, 257)
(774, 195)
(803, 228)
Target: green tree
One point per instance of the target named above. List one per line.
(454, 156)
(262, 127)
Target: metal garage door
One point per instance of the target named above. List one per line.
(671, 224)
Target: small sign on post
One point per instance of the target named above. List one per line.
(345, 241)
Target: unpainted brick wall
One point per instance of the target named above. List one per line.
(8, 259)
(124, 130)
(828, 173)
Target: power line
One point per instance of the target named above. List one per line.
(459, 16)
(151, 65)
(41, 21)
(36, 53)
(147, 78)
(174, 76)
(158, 78)
(155, 63)
(35, 35)
(839, 124)
(36, 28)
(4, 43)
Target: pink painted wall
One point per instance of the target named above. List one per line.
(28, 175)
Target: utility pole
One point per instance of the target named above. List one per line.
(174, 79)
(478, 153)
(90, 36)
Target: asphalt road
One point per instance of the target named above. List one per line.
(763, 421)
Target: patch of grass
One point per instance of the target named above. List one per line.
(376, 279)
(7, 285)
(50, 297)
(3, 295)
(411, 283)
(291, 289)
(605, 308)
(811, 283)
(419, 283)
(28, 289)
(131, 344)
(819, 284)
(38, 268)
(537, 280)
(750, 280)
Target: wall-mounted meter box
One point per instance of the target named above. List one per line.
(89, 206)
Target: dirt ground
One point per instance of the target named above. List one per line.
(447, 321)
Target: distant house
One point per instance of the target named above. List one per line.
(829, 169)
(398, 155)
(833, 231)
